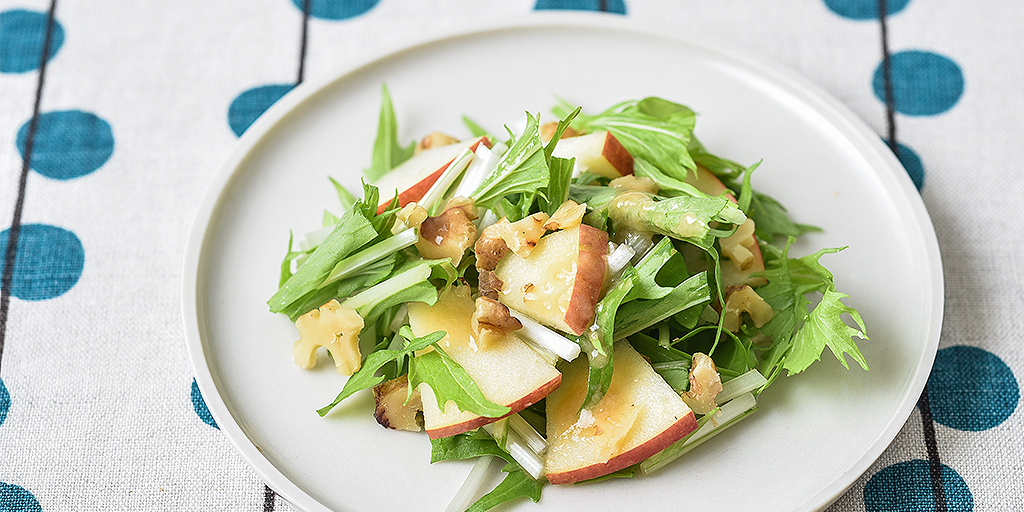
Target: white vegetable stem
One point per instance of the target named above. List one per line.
(484, 161)
(535, 333)
(444, 182)
(371, 254)
(533, 439)
(530, 461)
(619, 257)
(466, 494)
(727, 415)
(743, 384)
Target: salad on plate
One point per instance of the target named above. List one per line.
(583, 299)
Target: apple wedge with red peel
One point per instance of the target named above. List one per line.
(639, 416)
(422, 170)
(534, 377)
(598, 152)
(560, 282)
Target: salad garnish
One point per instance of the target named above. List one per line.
(583, 299)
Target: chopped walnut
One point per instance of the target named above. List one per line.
(705, 384)
(634, 182)
(739, 246)
(489, 284)
(490, 248)
(492, 321)
(567, 215)
(547, 130)
(396, 407)
(333, 327)
(411, 215)
(743, 299)
(522, 235)
(434, 140)
(449, 234)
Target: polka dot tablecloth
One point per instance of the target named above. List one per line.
(115, 115)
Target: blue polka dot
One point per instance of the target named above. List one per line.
(923, 83)
(5, 402)
(67, 143)
(16, 499)
(22, 38)
(864, 9)
(613, 6)
(48, 261)
(336, 9)
(252, 103)
(199, 405)
(971, 389)
(912, 163)
(907, 486)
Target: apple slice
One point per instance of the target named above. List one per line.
(508, 372)
(422, 170)
(597, 152)
(639, 416)
(560, 282)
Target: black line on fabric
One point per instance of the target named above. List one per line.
(934, 464)
(305, 38)
(14, 233)
(603, 6)
(890, 110)
(268, 498)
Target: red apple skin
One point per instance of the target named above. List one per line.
(639, 416)
(586, 293)
(420, 188)
(518, 405)
(489, 366)
(677, 431)
(617, 155)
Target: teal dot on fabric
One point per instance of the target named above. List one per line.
(912, 163)
(48, 261)
(336, 9)
(23, 37)
(252, 103)
(16, 499)
(864, 9)
(971, 389)
(199, 405)
(612, 6)
(5, 402)
(923, 83)
(67, 144)
(907, 486)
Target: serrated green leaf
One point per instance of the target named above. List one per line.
(451, 382)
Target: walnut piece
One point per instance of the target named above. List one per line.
(738, 247)
(522, 235)
(333, 327)
(492, 321)
(434, 140)
(567, 215)
(449, 234)
(396, 407)
(705, 384)
(743, 299)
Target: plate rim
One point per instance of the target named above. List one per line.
(827, 105)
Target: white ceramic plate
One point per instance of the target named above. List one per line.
(814, 434)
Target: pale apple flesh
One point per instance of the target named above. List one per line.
(598, 152)
(639, 416)
(423, 170)
(560, 282)
(490, 367)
